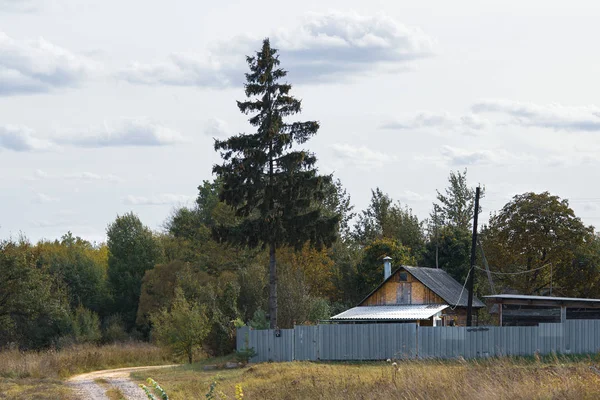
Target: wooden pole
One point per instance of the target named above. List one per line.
(473, 254)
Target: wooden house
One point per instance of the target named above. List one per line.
(428, 296)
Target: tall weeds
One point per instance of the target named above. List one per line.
(78, 359)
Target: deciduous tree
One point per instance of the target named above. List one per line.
(132, 250)
(536, 235)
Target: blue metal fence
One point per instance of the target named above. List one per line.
(398, 341)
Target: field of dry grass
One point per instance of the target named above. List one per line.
(514, 379)
(37, 375)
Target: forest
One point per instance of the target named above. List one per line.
(270, 242)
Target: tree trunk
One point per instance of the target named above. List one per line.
(189, 354)
(272, 287)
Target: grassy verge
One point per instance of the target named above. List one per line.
(37, 375)
(78, 359)
(508, 378)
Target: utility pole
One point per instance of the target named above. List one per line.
(473, 253)
(435, 208)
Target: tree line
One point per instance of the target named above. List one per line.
(270, 242)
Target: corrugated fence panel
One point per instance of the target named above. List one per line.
(366, 341)
(305, 343)
(398, 341)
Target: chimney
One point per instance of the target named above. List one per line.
(387, 267)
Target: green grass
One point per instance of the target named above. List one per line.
(506, 378)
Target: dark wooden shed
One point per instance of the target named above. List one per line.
(525, 310)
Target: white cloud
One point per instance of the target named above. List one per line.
(44, 198)
(78, 176)
(408, 196)
(217, 128)
(21, 138)
(360, 156)
(161, 199)
(324, 47)
(553, 116)
(460, 157)
(125, 132)
(18, 5)
(468, 124)
(33, 66)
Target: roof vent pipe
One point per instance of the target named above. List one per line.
(387, 267)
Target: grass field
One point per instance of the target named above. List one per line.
(38, 375)
(549, 378)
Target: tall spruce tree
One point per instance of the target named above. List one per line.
(275, 190)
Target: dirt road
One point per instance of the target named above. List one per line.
(93, 385)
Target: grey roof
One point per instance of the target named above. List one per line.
(443, 285)
(410, 312)
(542, 298)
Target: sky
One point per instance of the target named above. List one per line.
(113, 106)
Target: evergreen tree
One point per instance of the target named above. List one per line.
(275, 190)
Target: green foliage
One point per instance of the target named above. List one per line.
(386, 219)
(244, 355)
(157, 389)
(86, 326)
(114, 329)
(132, 250)
(370, 268)
(33, 307)
(259, 320)
(183, 328)
(319, 310)
(453, 252)
(275, 191)
(531, 233)
(80, 267)
(456, 205)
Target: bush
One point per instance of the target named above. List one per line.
(259, 320)
(86, 326)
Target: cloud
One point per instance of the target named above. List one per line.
(459, 157)
(44, 198)
(22, 139)
(322, 48)
(408, 196)
(18, 5)
(161, 199)
(217, 128)
(467, 124)
(125, 132)
(77, 176)
(37, 66)
(361, 156)
(552, 116)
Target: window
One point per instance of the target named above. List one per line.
(403, 276)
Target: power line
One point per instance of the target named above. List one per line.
(514, 273)
(462, 290)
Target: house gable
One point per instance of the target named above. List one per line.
(402, 288)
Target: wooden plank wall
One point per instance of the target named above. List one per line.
(389, 293)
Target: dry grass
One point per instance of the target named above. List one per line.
(36, 375)
(30, 388)
(78, 359)
(511, 379)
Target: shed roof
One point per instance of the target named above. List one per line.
(500, 297)
(411, 312)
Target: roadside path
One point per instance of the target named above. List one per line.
(86, 389)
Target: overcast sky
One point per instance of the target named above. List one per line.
(111, 106)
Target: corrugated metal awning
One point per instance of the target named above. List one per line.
(410, 312)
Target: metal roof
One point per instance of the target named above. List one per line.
(410, 312)
(443, 285)
(540, 298)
